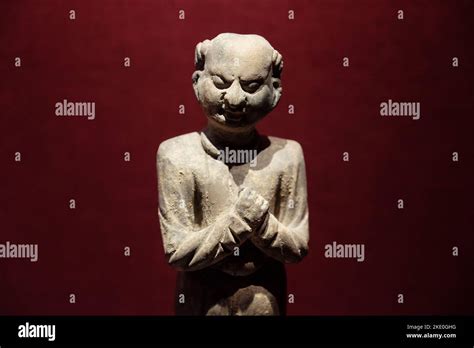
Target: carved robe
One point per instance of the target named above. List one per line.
(218, 274)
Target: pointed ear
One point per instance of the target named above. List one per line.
(199, 61)
(277, 64)
(277, 90)
(200, 54)
(196, 75)
(277, 68)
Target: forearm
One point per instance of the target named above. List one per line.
(203, 248)
(286, 244)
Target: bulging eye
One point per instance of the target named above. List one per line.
(219, 82)
(251, 87)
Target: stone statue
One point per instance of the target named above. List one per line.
(233, 203)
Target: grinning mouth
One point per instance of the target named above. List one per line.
(230, 117)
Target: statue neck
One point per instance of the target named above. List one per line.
(238, 139)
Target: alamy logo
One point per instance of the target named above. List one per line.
(393, 108)
(20, 251)
(345, 251)
(230, 156)
(37, 331)
(66, 108)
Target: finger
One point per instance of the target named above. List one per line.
(243, 190)
(252, 195)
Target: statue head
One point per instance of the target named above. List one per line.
(237, 79)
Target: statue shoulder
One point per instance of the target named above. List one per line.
(179, 147)
(289, 148)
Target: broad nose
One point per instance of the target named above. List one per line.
(235, 97)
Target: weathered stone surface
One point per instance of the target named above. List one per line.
(233, 203)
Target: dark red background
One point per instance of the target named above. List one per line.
(336, 109)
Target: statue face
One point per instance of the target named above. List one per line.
(236, 88)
